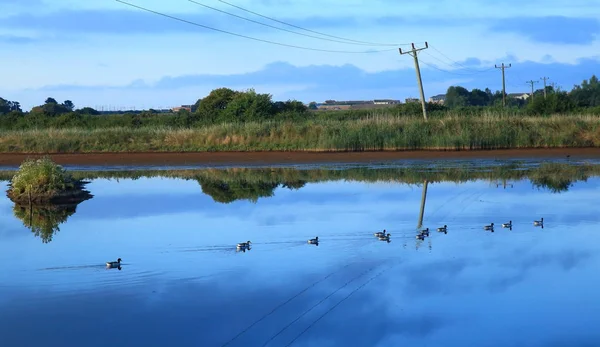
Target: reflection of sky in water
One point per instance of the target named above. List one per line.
(183, 283)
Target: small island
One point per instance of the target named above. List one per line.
(43, 182)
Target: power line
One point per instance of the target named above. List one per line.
(317, 304)
(338, 303)
(249, 37)
(459, 64)
(451, 72)
(278, 28)
(312, 31)
(280, 305)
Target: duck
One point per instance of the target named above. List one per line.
(489, 227)
(539, 222)
(114, 263)
(314, 241)
(420, 237)
(442, 229)
(380, 233)
(244, 244)
(424, 232)
(507, 225)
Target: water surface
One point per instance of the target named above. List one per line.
(183, 283)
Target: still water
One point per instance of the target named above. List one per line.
(182, 282)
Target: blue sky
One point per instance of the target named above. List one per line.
(105, 53)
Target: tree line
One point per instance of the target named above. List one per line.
(224, 105)
(544, 101)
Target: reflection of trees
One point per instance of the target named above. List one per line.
(240, 189)
(557, 178)
(226, 192)
(43, 220)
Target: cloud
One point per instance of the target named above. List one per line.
(345, 80)
(18, 40)
(552, 29)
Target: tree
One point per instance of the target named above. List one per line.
(248, 105)
(587, 94)
(214, 103)
(9, 106)
(312, 105)
(457, 96)
(50, 101)
(557, 102)
(478, 97)
(68, 104)
(88, 111)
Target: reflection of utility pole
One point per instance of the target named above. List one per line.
(423, 197)
(413, 53)
(421, 213)
(503, 184)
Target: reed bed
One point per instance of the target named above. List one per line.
(376, 132)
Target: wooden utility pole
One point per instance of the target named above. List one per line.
(532, 82)
(503, 67)
(545, 79)
(413, 53)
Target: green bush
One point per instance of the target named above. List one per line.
(41, 177)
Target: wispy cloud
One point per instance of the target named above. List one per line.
(11, 39)
(552, 29)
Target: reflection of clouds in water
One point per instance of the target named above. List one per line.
(503, 288)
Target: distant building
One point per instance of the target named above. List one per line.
(386, 102)
(182, 107)
(409, 100)
(520, 96)
(438, 99)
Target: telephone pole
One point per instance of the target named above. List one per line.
(545, 79)
(413, 53)
(503, 67)
(531, 82)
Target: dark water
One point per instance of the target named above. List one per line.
(182, 282)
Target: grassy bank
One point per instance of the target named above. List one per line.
(381, 132)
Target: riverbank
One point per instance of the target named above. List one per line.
(385, 133)
(279, 158)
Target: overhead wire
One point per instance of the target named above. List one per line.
(339, 302)
(457, 63)
(282, 29)
(250, 37)
(466, 73)
(309, 30)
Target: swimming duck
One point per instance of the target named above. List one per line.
(420, 237)
(489, 227)
(539, 222)
(244, 244)
(507, 225)
(442, 229)
(380, 233)
(385, 237)
(424, 232)
(113, 263)
(314, 241)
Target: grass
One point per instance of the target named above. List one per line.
(376, 132)
(43, 181)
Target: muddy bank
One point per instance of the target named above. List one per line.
(266, 158)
